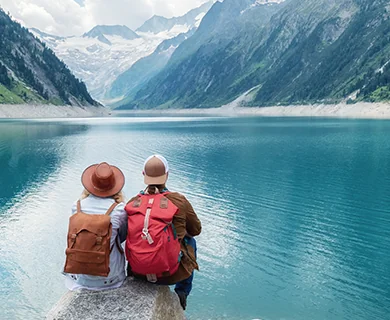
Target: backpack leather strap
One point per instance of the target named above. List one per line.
(78, 206)
(118, 244)
(111, 209)
(137, 202)
(164, 203)
(145, 230)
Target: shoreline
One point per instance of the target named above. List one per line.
(360, 110)
(21, 111)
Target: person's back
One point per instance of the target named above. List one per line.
(186, 226)
(95, 203)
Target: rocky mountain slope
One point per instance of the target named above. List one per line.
(101, 55)
(278, 52)
(195, 65)
(158, 24)
(129, 82)
(31, 73)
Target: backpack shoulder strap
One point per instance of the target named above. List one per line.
(118, 245)
(78, 206)
(136, 200)
(110, 209)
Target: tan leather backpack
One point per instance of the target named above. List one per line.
(89, 238)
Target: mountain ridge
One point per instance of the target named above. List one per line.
(158, 23)
(290, 53)
(31, 73)
(101, 59)
(129, 82)
(102, 31)
(223, 20)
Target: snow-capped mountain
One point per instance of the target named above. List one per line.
(99, 56)
(100, 32)
(98, 60)
(144, 69)
(262, 3)
(193, 18)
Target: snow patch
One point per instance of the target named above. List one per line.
(199, 19)
(209, 85)
(261, 3)
(168, 51)
(382, 69)
(98, 64)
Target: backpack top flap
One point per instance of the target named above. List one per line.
(162, 207)
(98, 224)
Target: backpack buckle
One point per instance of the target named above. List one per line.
(99, 240)
(73, 239)
(147, 236)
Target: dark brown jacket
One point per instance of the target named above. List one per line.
(186, 222)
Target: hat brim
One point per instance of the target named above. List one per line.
(86, 180)
(155, 181)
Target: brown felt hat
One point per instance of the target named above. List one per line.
(103, 180)
(156, 170)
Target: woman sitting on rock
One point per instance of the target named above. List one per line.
(94, 256)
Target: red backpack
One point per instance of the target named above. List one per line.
(152, 246)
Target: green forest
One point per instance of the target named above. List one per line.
(31, 73)
(298, 52)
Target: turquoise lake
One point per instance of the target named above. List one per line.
(295, 211)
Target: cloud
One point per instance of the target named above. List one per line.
(168, 8)
(80, 2)
(74, 17)
(63, 17)
(128, 12)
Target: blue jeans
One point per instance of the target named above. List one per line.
(186, 285)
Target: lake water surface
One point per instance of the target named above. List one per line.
(295, 212)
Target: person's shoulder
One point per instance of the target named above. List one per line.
(101, 204)
(133, 198)
(120, 206)
(74, 206)
(84, 203)
(176, 196)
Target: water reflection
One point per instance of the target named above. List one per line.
(28, 155)
(31, 156)
(294, 212)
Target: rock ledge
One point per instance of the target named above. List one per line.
(134, 300)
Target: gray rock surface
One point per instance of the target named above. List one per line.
(134, 300)
(50, 111)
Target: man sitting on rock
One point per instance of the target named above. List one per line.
(161, 225)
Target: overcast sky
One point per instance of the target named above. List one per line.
(74, 17)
